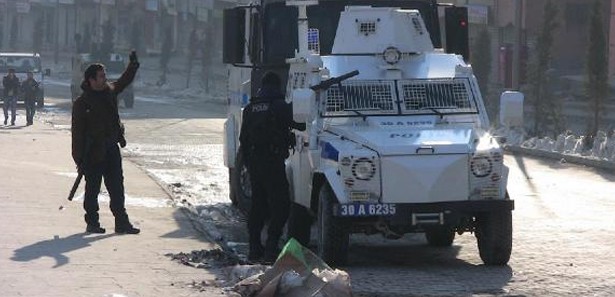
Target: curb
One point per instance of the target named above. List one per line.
(200, 224)
(575, 159)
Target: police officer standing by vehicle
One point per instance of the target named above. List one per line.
(29, 88)
(265, 140)
(96, 131)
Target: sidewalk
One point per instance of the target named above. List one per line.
(44, 250)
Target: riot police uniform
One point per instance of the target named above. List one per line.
(265, 140)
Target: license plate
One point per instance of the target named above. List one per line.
(366, 209)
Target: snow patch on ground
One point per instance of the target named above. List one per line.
(67, 174)
(148, 202)
(195, 173)
(601, 147)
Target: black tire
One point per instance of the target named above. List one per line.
(494, 236)
(240, 185)
(40, 103)
(440, 236)
(333, 235)
(300, 224)
(129, 101)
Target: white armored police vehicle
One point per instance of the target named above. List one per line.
(397, 134)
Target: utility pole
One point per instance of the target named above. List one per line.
(516, 63)
(57, 41)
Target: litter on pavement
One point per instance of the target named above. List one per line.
(297, 272)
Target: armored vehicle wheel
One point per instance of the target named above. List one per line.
(241, 189)
(300, 224)
(494, 236)
(333, 236)
(440, 236)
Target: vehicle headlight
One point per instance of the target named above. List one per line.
(481, 166)
(391, 55)
(363, 169)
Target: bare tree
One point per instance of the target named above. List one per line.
(37, 36)
(481, 63)
(596, 87)
(165, 54)
(14, 32)
(107, 44)
(136, 40)
(547, 110)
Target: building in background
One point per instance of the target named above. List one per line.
(570, 41)
(65, 26)
(52, 26)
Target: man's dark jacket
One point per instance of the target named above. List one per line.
(10, 84)
(29, 87)
(96, 118)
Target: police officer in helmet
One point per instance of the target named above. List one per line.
(265, 140)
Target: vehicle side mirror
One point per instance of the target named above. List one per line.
(303, 103)
(511, 109)
(47, 72)
(233, 32)
(457, 32)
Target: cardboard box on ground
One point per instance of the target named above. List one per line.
(297, 273)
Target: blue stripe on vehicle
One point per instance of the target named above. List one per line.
(327, 151)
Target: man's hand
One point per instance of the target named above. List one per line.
(122, 142)
(133, 58)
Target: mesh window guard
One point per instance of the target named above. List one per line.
(453, 95)
(372, 97)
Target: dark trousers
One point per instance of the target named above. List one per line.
(111, 170)
(30, 109)
(10, 102)
(270, 197)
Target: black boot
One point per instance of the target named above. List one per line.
(95, 229)
(93, 226)
(123, 225)
(127, 229)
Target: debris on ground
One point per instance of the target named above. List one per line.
(297, 272)
(206, 258)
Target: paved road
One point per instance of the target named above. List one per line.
(563, 222)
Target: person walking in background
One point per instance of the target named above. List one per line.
(96, 131)
(29, 88)
(11, 89)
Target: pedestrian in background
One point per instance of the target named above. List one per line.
(11, 89)
(96, 131)
(29, 89)
(265, 140)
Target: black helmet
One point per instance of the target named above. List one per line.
(271, 79)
